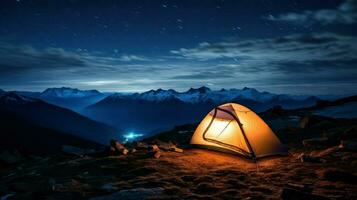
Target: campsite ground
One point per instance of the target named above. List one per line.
(321, 168)
(193, 174)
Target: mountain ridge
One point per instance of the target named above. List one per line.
(51, 116)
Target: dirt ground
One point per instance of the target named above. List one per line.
(193, 174)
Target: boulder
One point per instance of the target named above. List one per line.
(176, 149)
(165, 145)
(141, 145)
(348, 145)
(326, 152)
(304, 122)
(157, 154)
(118, 148)
(154, 148)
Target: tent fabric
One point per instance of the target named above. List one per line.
(236, 128)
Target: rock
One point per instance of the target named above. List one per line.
(10, 158)
(306, 158)
(316, 142)
(157, 154)
(141, 145)
(296, 194)
(338, 175)
(154, 148)
(116, 145)
(125, 151)
(176, 149)
(118, 148)
(133, 194)
(165, 145)
(304, 122)
(348, 145)
(76, 150)
(326, 152)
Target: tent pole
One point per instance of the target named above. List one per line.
(243, 133)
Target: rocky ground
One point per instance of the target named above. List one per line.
(322, 164)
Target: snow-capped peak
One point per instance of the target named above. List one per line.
(66, 92)
(157, 95)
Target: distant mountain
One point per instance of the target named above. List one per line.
(204, 94)
(144, 116)
(24, 136)
(46, 115)
(71, 98)
(66, 92)
(158, 109)
(340, 108)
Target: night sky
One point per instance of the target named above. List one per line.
(296, 47)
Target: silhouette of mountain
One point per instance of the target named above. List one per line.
(163, 109)
(46, 115)
(28, 138)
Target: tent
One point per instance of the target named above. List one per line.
(235, 128)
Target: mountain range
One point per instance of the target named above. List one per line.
(72, 110)
(42, 114)
(162, 109)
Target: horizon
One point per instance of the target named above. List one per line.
(179, 91)
(303, 47)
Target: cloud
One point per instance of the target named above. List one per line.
(346, 13)
(294, 59)
(26, 58)
(128, 58)
(296, 48)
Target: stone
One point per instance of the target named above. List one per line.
(165, 145)
(141, 145)
(348, 145)
(176, 149)
(304, 122)
(118, 148)
(305, 187)
(326, 152)
(124, 151)
(115, 144)
(157, 154)
(154, 148)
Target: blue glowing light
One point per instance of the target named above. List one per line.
(131, 136)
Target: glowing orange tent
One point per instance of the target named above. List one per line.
(235, 128)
